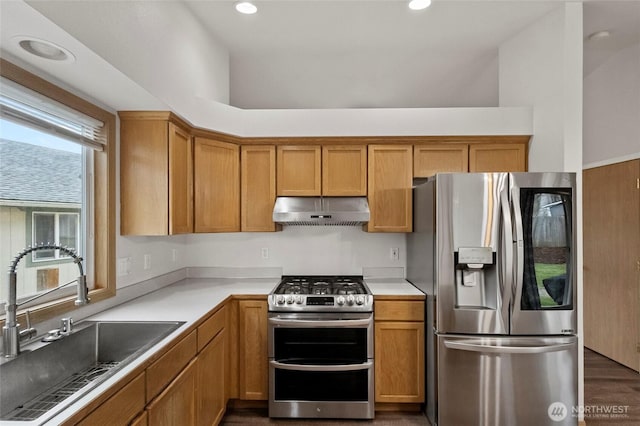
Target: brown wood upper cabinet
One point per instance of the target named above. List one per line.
(156, 186)
(431, 159)
(332, 170)
(344, 170)
(476, 157)
(216, 186)
(258, 191)
(390, 181)
(299, 169)
(510, 157)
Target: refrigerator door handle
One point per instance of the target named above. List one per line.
(477, 346)
(506, 276)
(518, 242)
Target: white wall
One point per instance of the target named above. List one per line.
(380, 79)
(166, 51)
(612, 109)
(299, 250)
(531, 73)
(387, 121)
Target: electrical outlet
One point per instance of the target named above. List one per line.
(123, 266)
(395, 253)
(174, 255)
(265, 253)
(147, 262)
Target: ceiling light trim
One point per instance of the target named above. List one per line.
(246, 7)
(43, 49)
(419, 4)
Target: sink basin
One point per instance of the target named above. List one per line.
(45, 376)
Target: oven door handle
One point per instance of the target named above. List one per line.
(309, 367)
(295, 323)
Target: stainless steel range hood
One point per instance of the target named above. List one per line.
(321, 211)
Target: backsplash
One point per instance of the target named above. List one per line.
(298, 250)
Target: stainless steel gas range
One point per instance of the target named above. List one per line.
(321, 348)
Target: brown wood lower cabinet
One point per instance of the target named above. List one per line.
(141, 420)
(121, 408)
(211, 381)
(176, 405)
(192, 381)
(399, 351)
(253, 365)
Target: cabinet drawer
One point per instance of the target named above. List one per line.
(399, 310)
(121, 407)
(161, 372)
(211, 327)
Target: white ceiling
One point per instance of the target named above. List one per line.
(365, 54)
(325, 26)
(333, 54)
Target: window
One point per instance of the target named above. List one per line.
(56, 186)
(61, 229)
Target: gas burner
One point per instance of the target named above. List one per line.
(321, 293)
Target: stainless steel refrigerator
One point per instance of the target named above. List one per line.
(495, 255)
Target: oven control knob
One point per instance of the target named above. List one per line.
(360, 300)
(289, 299)
(298, 299)
(280, 299)
(350, 300)
(340, 300)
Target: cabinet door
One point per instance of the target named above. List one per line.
(431, 159)
(258, 194)
(299, 170)
(141, 420)
(121, 408)
(253, 364)
(176, 405)
(144, 184)
(344, 170)
(498, 157)
(217, 186)
(399, 366)
(180, 181)
(211, 381)
(390, 180)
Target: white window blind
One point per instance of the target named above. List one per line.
(27, 107)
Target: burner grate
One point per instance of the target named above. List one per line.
(321, 285)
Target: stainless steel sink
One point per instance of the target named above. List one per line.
(47, 375)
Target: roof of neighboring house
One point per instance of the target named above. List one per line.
(58, 178)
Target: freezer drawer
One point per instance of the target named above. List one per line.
(507, 381)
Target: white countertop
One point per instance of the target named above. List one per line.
(392, 287)
(189, 300)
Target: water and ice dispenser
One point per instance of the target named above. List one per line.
(476, 278)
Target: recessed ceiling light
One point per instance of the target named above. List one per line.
(599, 35)
(44, 49)
(419, 4)
(246, 7)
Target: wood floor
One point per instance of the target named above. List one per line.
(608, 386)
(258, 416)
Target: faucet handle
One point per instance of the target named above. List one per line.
(66, 326)
(29, 332)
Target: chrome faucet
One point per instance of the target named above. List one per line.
(11, 335)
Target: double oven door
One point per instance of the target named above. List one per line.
(321, 365)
